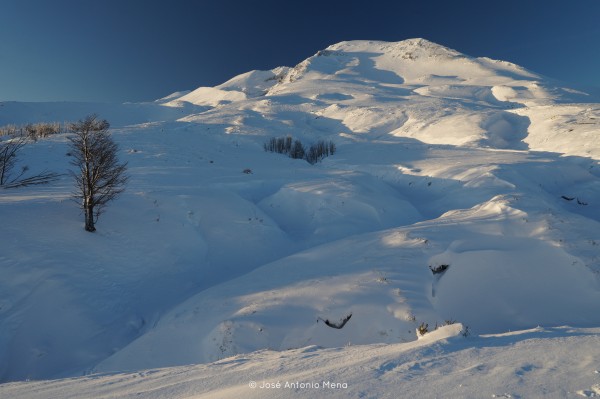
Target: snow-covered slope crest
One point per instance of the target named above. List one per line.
(411, 49)
(172, 96)
(247, 85)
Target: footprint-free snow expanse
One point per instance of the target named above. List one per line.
(553, 363)
(220, 249)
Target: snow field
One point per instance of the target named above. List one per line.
(218, 248)
(541, 362)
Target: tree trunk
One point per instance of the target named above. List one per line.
(89, 219)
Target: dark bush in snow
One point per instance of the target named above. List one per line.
(319, 150)
(296, 150)
(281, 145)
(423, 329)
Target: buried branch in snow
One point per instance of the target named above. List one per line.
(337, 325)
(438, 269)
(579, 202)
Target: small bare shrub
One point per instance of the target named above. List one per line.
(10, 130)
(465, 331)
(297, 151)
(33, 131)
(319, 150)
(281, 145)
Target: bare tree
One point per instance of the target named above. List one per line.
(9, 149)
(100, 177)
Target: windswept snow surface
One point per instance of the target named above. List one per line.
(218, 248)
(541, 362)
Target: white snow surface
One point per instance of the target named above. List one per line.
(540, 362)
(229, 257)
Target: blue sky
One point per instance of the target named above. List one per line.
(138, 50)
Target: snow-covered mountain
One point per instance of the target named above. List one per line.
(218, 248)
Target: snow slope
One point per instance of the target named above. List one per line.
(218, 248)
(541, 362)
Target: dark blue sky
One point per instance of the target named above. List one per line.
(135, 50)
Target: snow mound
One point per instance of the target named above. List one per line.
(208, 96)
(247, 85)
(254, 83)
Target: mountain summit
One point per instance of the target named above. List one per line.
(413, 62)
(366, 57)
(417, 65)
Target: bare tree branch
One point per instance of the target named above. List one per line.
(338, 325)
(41, 178)
(8, 158)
